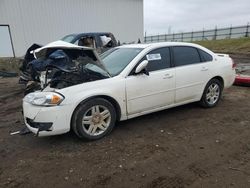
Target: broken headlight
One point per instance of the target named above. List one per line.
(44, 98)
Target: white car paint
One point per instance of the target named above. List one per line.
(136, 94)
(144, 94)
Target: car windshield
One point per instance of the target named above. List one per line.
(116, 59)
(68, 38)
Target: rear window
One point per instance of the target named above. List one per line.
(68, 38)
(185, 55)
(205, 56)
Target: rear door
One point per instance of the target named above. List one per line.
(145, 93)
(192, 72)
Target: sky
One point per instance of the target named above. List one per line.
(164, 16)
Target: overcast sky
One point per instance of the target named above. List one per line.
(188, 15)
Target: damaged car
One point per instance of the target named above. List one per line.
(101, 41)
(90, 94)
(33, 69)
(60, 64)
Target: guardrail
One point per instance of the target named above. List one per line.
(212, 34)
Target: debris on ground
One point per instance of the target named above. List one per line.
(8, 74)
(23, 131)
(242, 75)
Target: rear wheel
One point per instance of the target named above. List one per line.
(212, 93)
(94, 119)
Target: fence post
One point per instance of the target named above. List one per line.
(215, 33)
(151, 38)
(182, 37)
(192, 36)
(247, 30)
(230, 32)
(173, 37)
(158, 38)
(165, 38)
(203, 34)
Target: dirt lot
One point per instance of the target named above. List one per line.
(187, 146)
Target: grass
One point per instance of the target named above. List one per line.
(231, 46)
(10, 64)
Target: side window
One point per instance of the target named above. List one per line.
(185, 55)
(205, 56)
(158, 59)
(86, 41)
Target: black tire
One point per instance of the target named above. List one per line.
(84, 110)
(206, 103)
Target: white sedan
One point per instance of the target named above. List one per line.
(139, 79)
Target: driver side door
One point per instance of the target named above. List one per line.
(146, 93)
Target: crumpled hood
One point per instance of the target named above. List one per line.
(42, 52)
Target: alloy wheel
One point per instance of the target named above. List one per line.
(213, 93)
(96, 120)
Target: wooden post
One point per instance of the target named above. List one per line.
(182, 37)
(192, 36)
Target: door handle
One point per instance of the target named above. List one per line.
(166, 76)
(204, 69)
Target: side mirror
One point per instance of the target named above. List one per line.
(142, 68)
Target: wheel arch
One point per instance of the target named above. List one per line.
(217, 78)
(220, 79)
(202, 101)
(108, 98)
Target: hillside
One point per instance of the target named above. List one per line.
(231, 46)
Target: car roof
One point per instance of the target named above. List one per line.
(91, 33)
(159, 44)
(165, 44)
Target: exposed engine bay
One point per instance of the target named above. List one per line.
(59, 65)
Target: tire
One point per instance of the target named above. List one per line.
(212, 94)
(94, 119)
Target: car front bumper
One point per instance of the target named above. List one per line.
(47, 121)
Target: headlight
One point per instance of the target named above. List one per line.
(44, 98)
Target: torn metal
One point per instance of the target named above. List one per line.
(59, 65)
(23, 131)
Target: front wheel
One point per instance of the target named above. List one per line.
(94, 119)
(212, 94)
